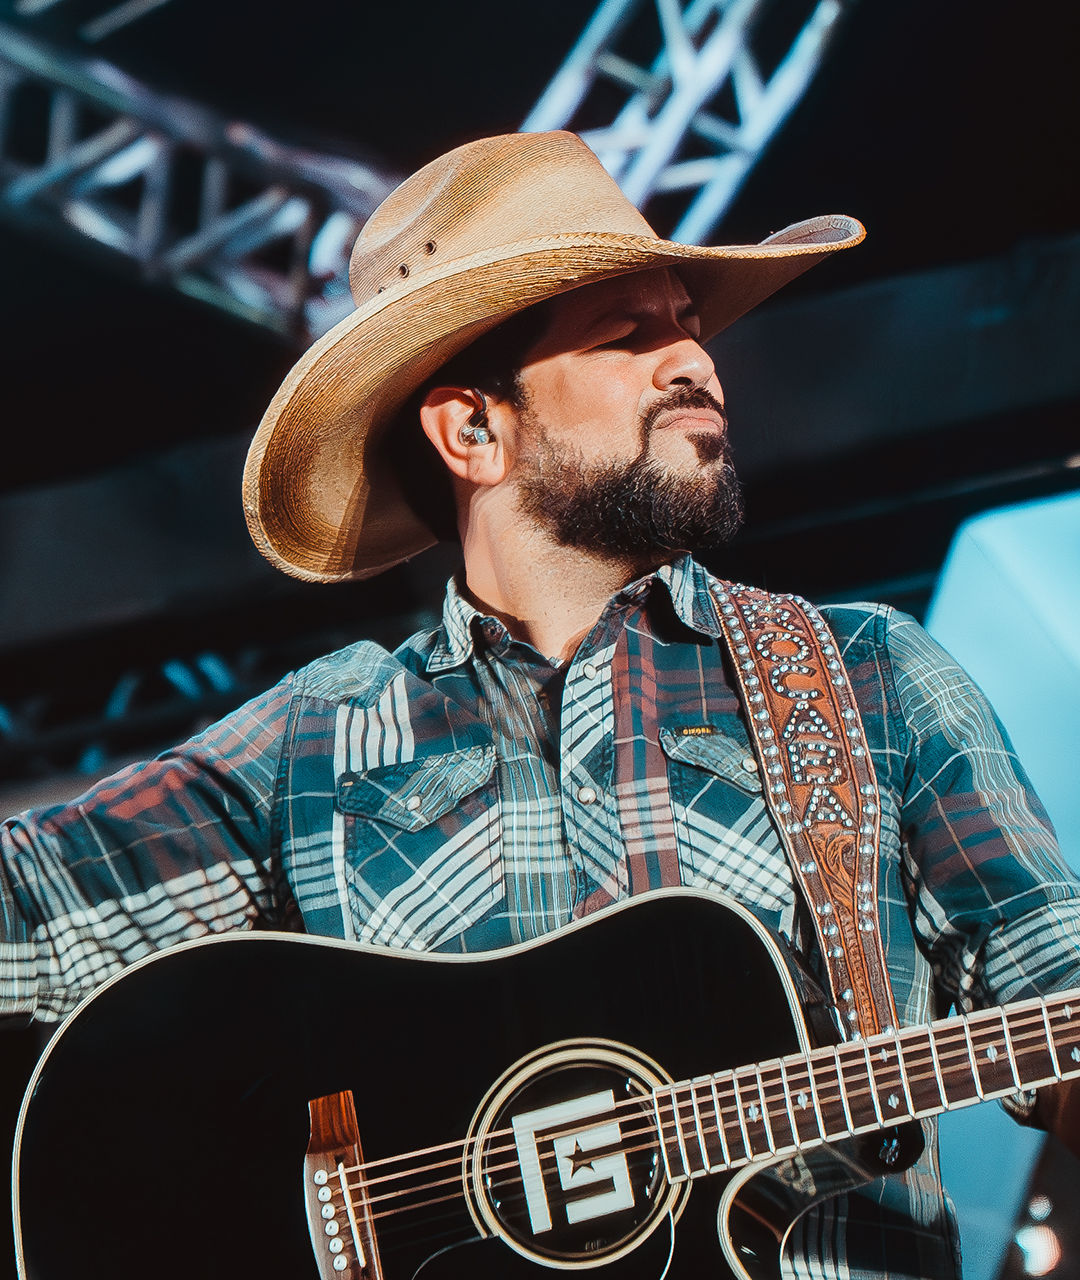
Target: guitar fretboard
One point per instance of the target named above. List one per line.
(773, 1108)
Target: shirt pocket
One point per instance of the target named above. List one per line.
(422, 848)
(727, 842)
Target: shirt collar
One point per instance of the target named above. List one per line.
(687, 583)
(691, 587)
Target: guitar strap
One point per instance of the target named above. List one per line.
(819, 784)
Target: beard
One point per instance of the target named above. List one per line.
(639, 509)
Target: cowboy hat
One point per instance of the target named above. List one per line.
(473, 238)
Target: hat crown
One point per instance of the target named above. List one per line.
(496, 191)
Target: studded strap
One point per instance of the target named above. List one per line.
(819, 784)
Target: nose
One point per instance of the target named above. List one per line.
(683, 362)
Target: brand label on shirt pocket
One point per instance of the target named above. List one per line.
(415, 794)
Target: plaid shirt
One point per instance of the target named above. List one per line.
(465, 793)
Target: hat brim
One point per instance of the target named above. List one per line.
(322, 502)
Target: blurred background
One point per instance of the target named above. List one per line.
(180, 182)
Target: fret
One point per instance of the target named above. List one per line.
(701, 1160)
(689, 1133)
(1010, 1051)
(766, 1123)
(1065, 1031)
(710, 1139)
(724, 1149)
(958, 1083)
(802, 1106)
(938, 1077)
(996, 1068)
(842, 1063)
(989, 1052)
(1027, 1030)
(890, 1089)
(1050, 1040)
(905, 1083)
(872, 1082)
(826, 1088)
(670, 1138)
(750, 1115)
(919, 1061)
(971, 1058)
(727, 1104)
(800, 1080)
(778, 1108)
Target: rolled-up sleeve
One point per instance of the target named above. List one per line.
(163, 852)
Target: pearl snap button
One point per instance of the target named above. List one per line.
(750, 764)
(586, 795)
(412, 803)
(589, 670)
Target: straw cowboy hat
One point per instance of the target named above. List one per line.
(471, 239)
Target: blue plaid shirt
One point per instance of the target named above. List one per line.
(465, 793)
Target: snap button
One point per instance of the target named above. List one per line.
(589, 670)
(750, 765)
(413, 803)
(586, 795)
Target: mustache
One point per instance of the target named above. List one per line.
(683, 398)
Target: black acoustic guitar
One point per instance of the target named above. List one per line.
(270, 1105)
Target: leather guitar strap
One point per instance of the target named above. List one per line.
(819, 784)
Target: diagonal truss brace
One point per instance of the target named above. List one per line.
(670, 134)
(269, 230)
(270, 227)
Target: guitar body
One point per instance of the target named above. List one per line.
(164, 1132)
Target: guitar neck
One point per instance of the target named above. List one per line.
(728, 1119)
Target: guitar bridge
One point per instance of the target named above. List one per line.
(335, 1193)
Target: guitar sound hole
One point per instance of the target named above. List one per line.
(568, 1167)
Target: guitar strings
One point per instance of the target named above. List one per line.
(951, 1043)
(950, 1053)
(954, 1049)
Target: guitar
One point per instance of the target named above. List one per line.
(273, 1105)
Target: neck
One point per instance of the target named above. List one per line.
(548, 595)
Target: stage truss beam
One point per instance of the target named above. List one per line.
(692, 120)
(268, 231)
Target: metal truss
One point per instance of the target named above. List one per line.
(229, 215)
(109, 18)
(691, 121)
(212, 206)
(84, 724)
(138, 711)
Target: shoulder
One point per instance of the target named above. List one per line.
(361, 672)
(886, 635)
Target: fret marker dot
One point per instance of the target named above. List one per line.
(883, 1055)
(992, 1053)
(802, 1099)
(1067, 1011)
(893, 1101)
(1075, 1055)
(752, 1111)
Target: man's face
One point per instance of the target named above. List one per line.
(622, 439)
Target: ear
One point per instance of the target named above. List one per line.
(443, 414)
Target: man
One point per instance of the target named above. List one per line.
(525, 368)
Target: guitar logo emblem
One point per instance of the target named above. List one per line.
(570, 1155)
(563, 1159)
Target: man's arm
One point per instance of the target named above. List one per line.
(161, 853)
(995, 906)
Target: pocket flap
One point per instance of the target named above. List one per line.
(415, 794)
(716, 752)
